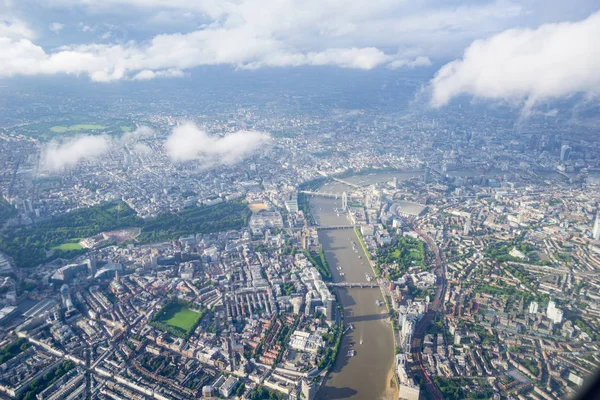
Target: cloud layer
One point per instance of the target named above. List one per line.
(528, 65)
(188, 142)
(363, 34)
(185, 143)
(59, 156)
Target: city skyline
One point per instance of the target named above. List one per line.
(289, 200)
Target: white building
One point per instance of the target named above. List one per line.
(292, 205)
(596, 230)
(553, 313)
(533, 307)
(467, 228)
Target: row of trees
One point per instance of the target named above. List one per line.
(203, 219)
(11, 350)
(7, 211)
(261, 393)
(317, 258)
(39, 384)
(331, 353)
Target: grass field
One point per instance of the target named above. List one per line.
(126, 128)
(182, 317)
(75, 128)
(256, 207)
(68, 247)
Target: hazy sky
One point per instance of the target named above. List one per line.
(525, 51)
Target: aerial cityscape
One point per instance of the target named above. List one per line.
(250, 200)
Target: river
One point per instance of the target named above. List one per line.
(369, 373)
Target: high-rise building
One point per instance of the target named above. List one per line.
(533, 307)
(297, 303)
(309, 389)
(91, 264)
(330, 305)
(207, 392)
(409, 392)
(596, 230)
(427, 175)
(292, 205)
(565, 153)
(558, 316)
(344, 201)
(467, 228)
(553, 313)
(550, 309)
(395, 182)
(308, 306)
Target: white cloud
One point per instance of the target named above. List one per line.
(56, 27)
(188, 142)
(139, 133)
(58, 156)
(142, 148)
(12, 28)
(149, 74)
(420, 61)
(361, 34)
(530, 65)
(168, 55)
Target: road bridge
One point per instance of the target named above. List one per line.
(333, 227)
(328, 195)
(361, 285)
(354, 185)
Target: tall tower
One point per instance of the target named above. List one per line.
(467, 228)
(309, 389)
(565, 152)
(91, 264)
(596, 231)
(533, 307)
(330, 305)
(427, 175)
(550, 310)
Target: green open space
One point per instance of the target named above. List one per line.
(204, 219)
(183, 318)
(68, 246)
(178, 318)
(406, 253)
(76, 128)
(69, 125)
(463, 388)
(317, 258)
(499, 251)
(28, 245)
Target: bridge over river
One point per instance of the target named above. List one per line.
(361, 285)
(334, 227)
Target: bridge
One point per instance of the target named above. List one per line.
(354, 185)
(329, 195)
(334, 227)
(353, 284)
